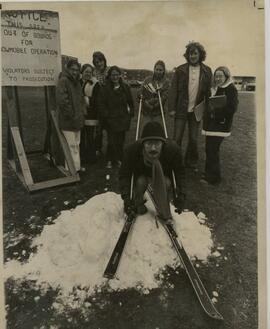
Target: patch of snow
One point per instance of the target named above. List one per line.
(73, 251)
(201, 215)
(216, 254)
(214, 300)
(215, 294)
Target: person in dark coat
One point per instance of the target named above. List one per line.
(116, 111)
(191, 84)
(100, 72)
(91, 89)
(217, 123)
(137, 160)
(71, 108)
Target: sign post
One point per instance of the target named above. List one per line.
(31, 57)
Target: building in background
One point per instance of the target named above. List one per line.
(245, 83)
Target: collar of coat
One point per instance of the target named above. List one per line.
(185, 68)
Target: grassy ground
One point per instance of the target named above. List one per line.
(231, 208)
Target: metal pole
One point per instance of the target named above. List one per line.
(136, 138)
(162, 112)
(166, 135)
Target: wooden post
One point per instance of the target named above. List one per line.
(16, 153)
(18, 110)
(47, 143)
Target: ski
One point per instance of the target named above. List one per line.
(193, 276)
(113, 263)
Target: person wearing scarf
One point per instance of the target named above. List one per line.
(100, 72)
(90, 88)
(150, 102)
(217, 123)
(139, 159)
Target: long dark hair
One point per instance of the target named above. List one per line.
(195, 45)
(161, 63)
(99, 55)
(114, 68)
(85, 66)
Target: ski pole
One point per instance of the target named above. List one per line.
(136, 138)
(166, 135)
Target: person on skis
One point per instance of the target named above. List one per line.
(138, 159)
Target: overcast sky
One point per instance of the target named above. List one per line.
(137, 34)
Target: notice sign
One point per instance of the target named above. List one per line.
(30, 48)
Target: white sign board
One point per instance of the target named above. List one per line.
(30, 48)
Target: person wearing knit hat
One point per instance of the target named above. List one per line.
(217, 123)
(138, 159)
(150, 101)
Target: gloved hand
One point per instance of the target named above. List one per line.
(139, 97)
(129, 207)
(179, 202)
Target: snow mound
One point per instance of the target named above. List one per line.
(75, 249)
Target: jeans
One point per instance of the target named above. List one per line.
(191, 155)
(212, 163)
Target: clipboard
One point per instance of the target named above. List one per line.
(198, 111)
(218, 101)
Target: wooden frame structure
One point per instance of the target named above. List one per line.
(16, 154)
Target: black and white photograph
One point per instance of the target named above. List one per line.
(133, 164)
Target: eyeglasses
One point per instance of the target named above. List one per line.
(153, 142)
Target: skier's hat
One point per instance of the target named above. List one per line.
(153, 130)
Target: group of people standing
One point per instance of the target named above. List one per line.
(91, 100)
(94, 99)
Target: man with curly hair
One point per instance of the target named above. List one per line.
(190, 86)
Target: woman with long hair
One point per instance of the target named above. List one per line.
(149, 91)
(116, 110)
(90, 88)
(100, 72)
